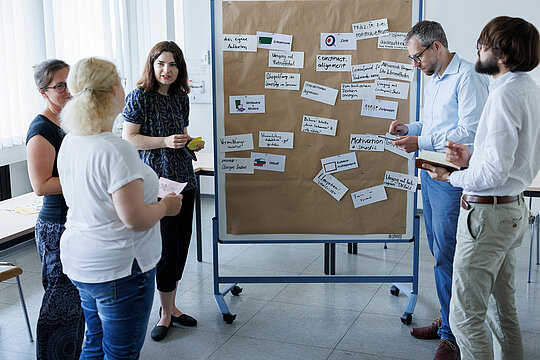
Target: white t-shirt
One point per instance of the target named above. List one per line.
(96, 245)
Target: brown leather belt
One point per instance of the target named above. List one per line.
(475, 199)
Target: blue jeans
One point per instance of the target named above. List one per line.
(117, 314)
(441, 212)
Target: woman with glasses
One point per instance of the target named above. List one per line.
(60, 326)
(111, 244)
(156, 118)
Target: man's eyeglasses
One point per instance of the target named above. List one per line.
(479, 46)
(417, 58)
(59, 88)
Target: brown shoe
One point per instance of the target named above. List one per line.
(447, 350)
(427, 332)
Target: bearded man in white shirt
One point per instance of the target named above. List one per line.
(493, 215)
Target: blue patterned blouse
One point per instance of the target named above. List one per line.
(161, 116)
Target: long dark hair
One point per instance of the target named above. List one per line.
(148, 82)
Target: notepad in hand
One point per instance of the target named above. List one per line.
(435, 159)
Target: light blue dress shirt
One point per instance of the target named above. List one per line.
(453, 104)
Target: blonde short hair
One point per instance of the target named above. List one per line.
(92, 107)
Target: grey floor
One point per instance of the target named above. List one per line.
(283, 321)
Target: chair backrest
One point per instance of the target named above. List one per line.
(8, 271)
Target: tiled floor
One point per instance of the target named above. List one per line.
(283, 321)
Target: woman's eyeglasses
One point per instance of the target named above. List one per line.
(59, 88)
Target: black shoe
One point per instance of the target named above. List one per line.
(183, 319)
(160, 331)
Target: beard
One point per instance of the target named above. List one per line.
(430, 70)
(488, 66)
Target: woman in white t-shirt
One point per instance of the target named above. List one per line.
(112, 241)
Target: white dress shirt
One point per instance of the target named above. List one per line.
(507, 146)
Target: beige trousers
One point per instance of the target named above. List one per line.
(483, 281)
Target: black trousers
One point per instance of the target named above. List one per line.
(175, 238)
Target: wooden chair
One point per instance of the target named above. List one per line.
(9, 271)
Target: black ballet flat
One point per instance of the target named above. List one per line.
(160, 331)
(183, 319)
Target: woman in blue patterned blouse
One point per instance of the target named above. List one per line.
(155, 121)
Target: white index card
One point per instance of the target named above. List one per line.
(281, 81)
(319, 125)
(333, 63)
(286, 59)
(276, 139)
(400, 181)
(319, 93)
(274, 41)
(366, 142)
(235, 143)
(236, 166)
(395, 70)
(357, 91)
(331, 185)
(270, 162)
(370, 29)
(394, 40)
(365, 72)
(339, 163)
(247, 104)
(379, 108)
(369, 196)
(394, 89)
(232, 42)
(338, 41)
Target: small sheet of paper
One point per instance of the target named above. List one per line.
(339, 163)
(273, 41)
(276, 139)
(394, 40)
(232, 42)
(370, 29)
(379, 108)
(358, 91)
(319, 93)
(333, 63)
(400, 181)
(236, 166)
(167, 186)
(338, 41)
(394, 89)
(270, 162)
(395, 70)
(286, 59)
(235, 143)
(365, 72)
(366, 142)
(247, 104)
(369, 196)
(388, 145)
(319, 125)
(331, 185)
(281, 81)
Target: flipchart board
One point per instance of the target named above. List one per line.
(300, 152)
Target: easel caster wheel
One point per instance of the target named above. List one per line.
(236, 290)
(406, 318)
(229, 318)
(394, 290)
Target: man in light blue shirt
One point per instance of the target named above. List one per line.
(453, 102)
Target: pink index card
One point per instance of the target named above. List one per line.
(167, 186)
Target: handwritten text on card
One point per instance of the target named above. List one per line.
(379, 108)
(286, 59)
(167, 186)
(318, 125)
(281, 81)
(369, 196)
(274, 41)
(364, 142)
(240, 43)
(388, 145)
(331, 185)
(246, 104)
(235, 143)
(276, 139)
(319, 93)
(400, 181)
(333, 62)
(237, 166)
(358, 91)
(394, 70)
(365, 72)
(338, 163)
(394, 89)
(394, 40)
(369, 29)
(270, 162)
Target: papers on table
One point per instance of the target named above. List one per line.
(276, 139)
(274, 41)
(338, 41)
(318, 125)
(369, 196)
(395, 70)
(331, 185)
(394, 40)
(370, 29)
(286, 59)
(379, 108)
(246, 104)
(236, 166)
(270, 162)
(167, 186)
(365, 72)
(281, 81)
(358, 91)
(400, 181)
(395, 89)
(339, 163)
(366, 142)
(333, 63)
(235, 143)
(239, 43)
(319, 93)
